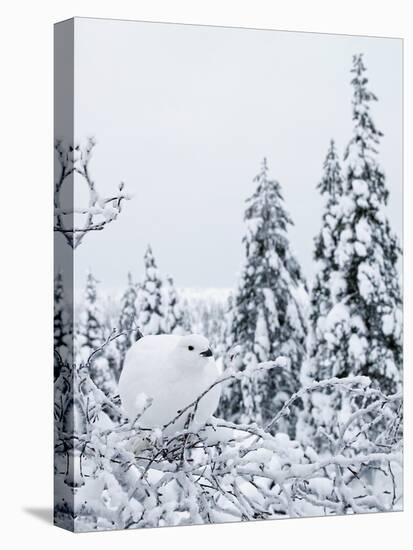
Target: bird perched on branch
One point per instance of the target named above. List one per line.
(162, 375)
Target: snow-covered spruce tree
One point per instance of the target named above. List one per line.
(331, 187)
(319, 407)
(364, 327)
(92, 336)
(268, 317)
(230, 404)
(91, 330)
(151, 319)
(128, 319)
(174, 314)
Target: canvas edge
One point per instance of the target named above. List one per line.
(63, 254)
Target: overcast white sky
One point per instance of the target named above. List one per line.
(184, 115)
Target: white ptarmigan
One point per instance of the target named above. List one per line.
(173, 371)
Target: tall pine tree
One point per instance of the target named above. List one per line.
(365, 324)
(331, 188)
(356, 317)
(320, 408)
(151, 318)
(268, 317)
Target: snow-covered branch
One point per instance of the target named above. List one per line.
(73, 160)
(222, 471)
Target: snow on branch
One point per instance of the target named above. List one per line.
(221, 471)
(99, 212)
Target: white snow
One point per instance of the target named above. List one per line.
(358, 346)
(363, 231)
(337, 283)
(388, 324)
(360, 249)
(360, 187)
(367, 275)
(339, 313)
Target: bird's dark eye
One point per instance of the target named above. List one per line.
(191, 348)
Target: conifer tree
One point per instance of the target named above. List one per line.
(320, 408)
(356, 318)
(230, 404)
(331, 188)
(364, 327)
(91, 337)
(128, 319)
(174, 314)
(114, 364)
(151, 318)
(92, 331)
(268, 317)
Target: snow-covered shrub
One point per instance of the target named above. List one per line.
(115, 474)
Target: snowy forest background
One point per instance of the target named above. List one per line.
(310, 420)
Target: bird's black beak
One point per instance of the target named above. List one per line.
(206, 353)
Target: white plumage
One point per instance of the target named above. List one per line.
(173, 371)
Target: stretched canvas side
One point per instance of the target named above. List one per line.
(64, 411)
